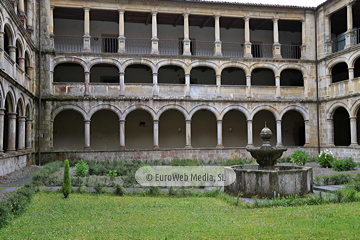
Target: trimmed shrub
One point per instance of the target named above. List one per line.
(299, 157)
(66, 187)
(343, 165)
(334, 179)
(325, 158)
(81, 168)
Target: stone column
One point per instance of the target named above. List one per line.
(303, 35)
(28, 145)
(22, 63)
(122, 83)
(277, 84)
(155, 85)
(187, 85)
(218, 86)
(351, 79)
(306, 87)
(307, 133)
(330, 132)
(277, 45)
(353, 132)
(51, 127)
(2, 52)
(86, 37)
(247, 43)
(2, 130)
(87, 83)
(21, 10)
(21, 134)
(248, 86)
(217, 43)
(12, 53)
(87, 134)
(278, 134)
(328, 81)
(121, 38)
(349, 35)
(156, 134)
(328, 45)
(250, 133)
(188, 134)
(154, 39)
(51, 23)
(219, 134)
(30, 16)
(11, 133)
(122, 134)
(186, 41)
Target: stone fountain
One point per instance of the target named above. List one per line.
(266, 179)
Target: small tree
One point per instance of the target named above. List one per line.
(66, 187)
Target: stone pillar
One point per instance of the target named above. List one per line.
(121, 38)
(218, 86)
(11, 133)
(303, 35)
(330, 132)
(51, 23)
(351, 79)
(2, 52)
(28, 145)
(328, 45)
(278, 134)
(122, 83)
(188, 134)
(22, 63)
(247, 43)
(248, 86)
(217, 43)
(277, 45)
(156, 134)
(87, 83)
(51, 127)
(219, 134)
(307, 133)
(277, 84)
(21, 11)
(349, 35)
(86, 37)
(122, 134)
(2, 130)
(306, 87)
(154, 39)
(12, 53)
(30, 16)
(250, 133)
(187, 85)
(186, 41)
(353, 132)
(87, 134)
(21, 134)
(155, 85)
(328, 81)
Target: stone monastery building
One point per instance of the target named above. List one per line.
(164, 79)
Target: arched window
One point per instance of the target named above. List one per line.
(69, 72)
(291, 77)
(339, 72)
(262, 77)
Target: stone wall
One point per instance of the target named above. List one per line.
(10, 164)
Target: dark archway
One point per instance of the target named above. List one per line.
(104, 130)
(259, 121)
(358, 126)
(139, 130)
(19, 50)
(68, 131)
(203, 129)
(203, 75)
(341, 127)
(8, 39)
(293, 129)
(339, 72)
(69, 72)
(233, 76)
(9, 108)
(171, 75)
(357, 68)
(291, 77)
(172, 131)
(262, 77)
(234, 129)
(104, 73)
(138, 73)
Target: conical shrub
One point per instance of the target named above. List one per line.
(66, 187)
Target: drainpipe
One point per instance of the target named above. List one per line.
(39, 83)
(317, 84)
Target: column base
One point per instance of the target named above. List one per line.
(156, 147)
(354, 145)
(87, 148)
(122, 148)
(10, 151)
(187, 54)
(279, 145)
(250, 146)
(21, 151)
(220, 146)
(188, 147)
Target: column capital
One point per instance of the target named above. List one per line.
(353, 118)
(121, 10)
(87, 121)
(2, 111)
(21, 118)
(186, 15)
(219, 120)
(122, 120)
(29, 121)
(303, 20)
(11, 48)
(154, 13)
(87, 9)
(275, 19)
(156, 121)
(188, 121)
(249, 120)
(217, 17)
(246, 18)
(154, 74)
(278, 120)
(12, 115)
(52, 7)
(350, 3)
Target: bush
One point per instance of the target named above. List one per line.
(119, 190)
(186, 162)
(66, 187)
(325, 158)
(343, 165)
(99, 188)
(334, 179)
(233, 162)
(299, 157)
(81, 168)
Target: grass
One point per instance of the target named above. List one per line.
(89, 216)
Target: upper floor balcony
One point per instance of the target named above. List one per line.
(106, 31)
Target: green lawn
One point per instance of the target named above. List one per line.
(89, 216)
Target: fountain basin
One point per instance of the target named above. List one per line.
(282, 180)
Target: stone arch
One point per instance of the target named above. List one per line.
(12, 100)
(140, 107)
(267, 108)
(293, 66)
(334, 62)
(333, 107)
(355, 108)
(235, 107)
(22, 45)
(2, 95)
(205, 64)
(8, 26)
(204, 107)
(299, 109)
(60, 60)
(235, 65)
(28, 112)
(1, 22)
(20, 107)
(110, 61)
(265, 65)
(146, 62)
(174, 62)
(56, 111)
(99, 107)
(352, 59)
(172, 107)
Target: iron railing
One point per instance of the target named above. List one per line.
(232, 49)
(338, 43)
(202, 48)
(262, 50)
(104, 44)
(67, 43)
(138, 45)
(170, 47)
(356, 36)
(290, 51)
